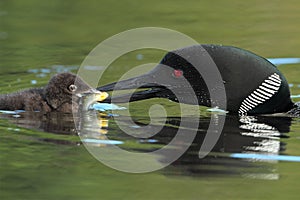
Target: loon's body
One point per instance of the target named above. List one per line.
(253, 85)
(60, 95)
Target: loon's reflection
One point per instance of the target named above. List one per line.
(259, 135)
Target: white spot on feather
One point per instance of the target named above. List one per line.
(265, 91)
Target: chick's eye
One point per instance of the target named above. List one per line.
(72, 88)
(177, 73)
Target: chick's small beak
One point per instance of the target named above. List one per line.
(87, 99)
(94, 95)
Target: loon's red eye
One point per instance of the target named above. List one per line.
(177, 73)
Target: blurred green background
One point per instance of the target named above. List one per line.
(41, 34)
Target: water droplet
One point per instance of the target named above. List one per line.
(33, 82)
(139, 56)
(47, 71)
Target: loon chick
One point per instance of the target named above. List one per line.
(60, 94)
(252, 84)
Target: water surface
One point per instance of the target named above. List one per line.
(42, 156)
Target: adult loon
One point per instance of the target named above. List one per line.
(252, 84)
(60, 94)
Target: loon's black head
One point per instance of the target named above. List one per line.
(253, 85)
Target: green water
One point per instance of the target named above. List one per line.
(38, 163)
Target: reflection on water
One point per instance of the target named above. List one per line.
(261, 135)
(59, 123)
(41, 34)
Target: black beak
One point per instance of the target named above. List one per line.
(146, 82)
